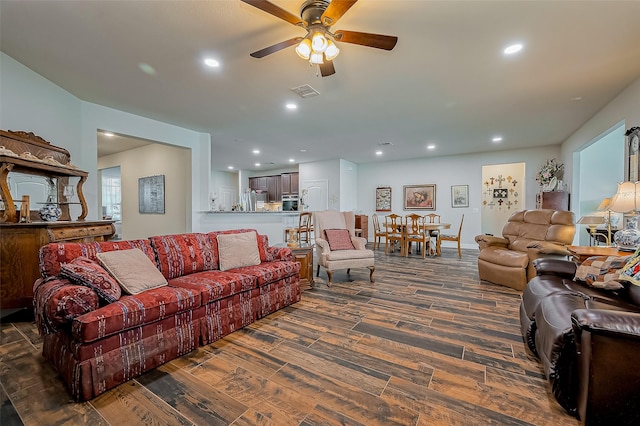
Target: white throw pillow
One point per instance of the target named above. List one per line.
(133, 270)
(237, 250)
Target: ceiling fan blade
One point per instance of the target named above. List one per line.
(335, 10)
(378, 41)
(327, 69)
(276, 11)
(275, 48)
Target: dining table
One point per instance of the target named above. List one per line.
(429, 227)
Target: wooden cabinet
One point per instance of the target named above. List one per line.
(274, 189)
(362, 222)
(290, 183)
(556, 200)
(24, 234)
(19, 250)
(258, 183)
(304, 254)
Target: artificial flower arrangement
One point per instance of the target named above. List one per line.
(550, 170)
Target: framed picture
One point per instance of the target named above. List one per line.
(151, 194)
(460, 196)
(383, 199)
(633, 157)
(500, 192)
(419, 197)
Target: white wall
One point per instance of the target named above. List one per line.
(31, 103)
(444, 172)
(624, 107)
(348, 186)
(329, 170)
(150, 160)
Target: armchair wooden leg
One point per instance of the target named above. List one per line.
(330, 275)
(371, 269)
(348, 271)
(318, 271)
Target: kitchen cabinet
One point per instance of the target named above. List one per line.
(274, 189)
(290, 183)
(259, 182)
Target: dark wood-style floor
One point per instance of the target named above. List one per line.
(426, 344)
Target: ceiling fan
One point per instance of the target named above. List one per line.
(318, 46)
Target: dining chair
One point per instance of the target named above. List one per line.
(378, 233)
(415, 232)
(305, 227)
(433, 233)
(456, 238)
(393, 225)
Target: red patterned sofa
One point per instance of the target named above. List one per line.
(95, 345)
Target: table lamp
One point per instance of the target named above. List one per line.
(604, 207)
(592, 222)
(627, 199)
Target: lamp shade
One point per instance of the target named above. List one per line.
(591, 220)
(626, 199)
(604, 205)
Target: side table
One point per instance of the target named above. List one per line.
(303, 253)
(581, 253)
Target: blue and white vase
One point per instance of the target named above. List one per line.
(629, 238)
(50, 212)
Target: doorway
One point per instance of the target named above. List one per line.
(111, 197)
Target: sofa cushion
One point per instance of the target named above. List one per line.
(504, 257)
(631, 269)
(268, 272)
(132, 311)
(339, 239)
(132, 269)
(183, 254)
(347, 255)
(84, 271)
(214, 285)
(602, 272)
(53, 255)
(237, 250)
(263, 241)
(58, 300)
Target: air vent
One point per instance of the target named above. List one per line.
(305, 91)
(385, 143)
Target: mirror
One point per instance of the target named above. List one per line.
(38, 188)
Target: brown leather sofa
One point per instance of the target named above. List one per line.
(588, 341)
(527, 235)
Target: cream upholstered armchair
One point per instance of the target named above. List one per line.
(528, 235)
(337, 246)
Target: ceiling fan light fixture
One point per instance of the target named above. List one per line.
(304, 49)
(316, 58)
(319, 42)
(332, 51)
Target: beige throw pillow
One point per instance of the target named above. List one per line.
(133, 270)
(237, 250)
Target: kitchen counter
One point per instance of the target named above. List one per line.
(272, 224)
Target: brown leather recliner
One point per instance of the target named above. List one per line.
(528, 235)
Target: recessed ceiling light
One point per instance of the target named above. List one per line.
(291, 106)
(210, 62)
(230, 167)
(514, 48)
(303, 150)
(146, 68)
(108, 134)
(497, 139)
(256, 151)
(292, 160)
(257, 164)
(378, 152)
(431, 146)
(576, 98)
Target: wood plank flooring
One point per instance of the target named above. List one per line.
(426, 344)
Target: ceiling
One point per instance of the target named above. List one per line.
(446, 83)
